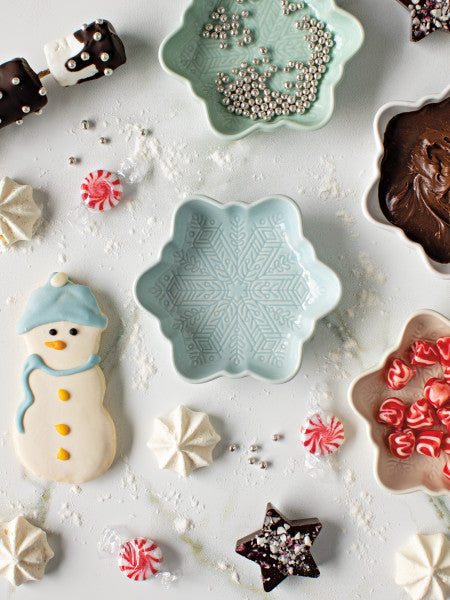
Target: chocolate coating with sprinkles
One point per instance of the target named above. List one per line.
(107, 51)
(20, 92)
(427, 16)
(281, 547)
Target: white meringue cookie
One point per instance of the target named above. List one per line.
(423, 567)
(24, 551)
(19, 213)
(183, 440)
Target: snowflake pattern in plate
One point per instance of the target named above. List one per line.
(238, 290)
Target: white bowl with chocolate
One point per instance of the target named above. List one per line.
(410, 191)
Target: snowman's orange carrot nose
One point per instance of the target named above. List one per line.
(56, 345)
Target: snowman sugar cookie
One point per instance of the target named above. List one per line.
(62, 431)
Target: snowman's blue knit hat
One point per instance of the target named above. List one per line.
(61, 300)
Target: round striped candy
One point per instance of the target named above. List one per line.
(322, 434)
(140, 559)
(101, 190)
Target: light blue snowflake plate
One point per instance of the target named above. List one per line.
(238, 289)
(187, 55)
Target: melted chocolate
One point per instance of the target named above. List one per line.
(414, 189)
(281, 548)
(14, 98)
(110, 43)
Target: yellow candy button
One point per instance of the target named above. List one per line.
(63, 395)
(62, 429)
(63, 454)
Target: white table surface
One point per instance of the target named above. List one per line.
(383, 282)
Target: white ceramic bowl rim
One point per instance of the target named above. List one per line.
(382, 118)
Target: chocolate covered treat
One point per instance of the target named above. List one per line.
(427, 16)
(414, 188)
(89, 53)
(281, 547)
(21, 92)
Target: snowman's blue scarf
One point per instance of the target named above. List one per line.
(34, 361)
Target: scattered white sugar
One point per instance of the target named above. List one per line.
(360, 514)
(345, 217)
(328, 184)
(174, 497)
(129, 482)
(222, 159)
(76, 489)
(368, 271)
(182, 525)
(16, 506)
(291, 467)
(143, 365)
(10, 300)
(104, 498)
(66, 513)
(368, 298)
(349, 476)
(336, 359)
(62, 259)
(112, 247)
(226, 567)
(195, 503)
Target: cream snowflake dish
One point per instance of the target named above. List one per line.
(183, 440)
(371, 391)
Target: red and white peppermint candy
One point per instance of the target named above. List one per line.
(445, 444)
(398, 374)
(444, 416)
(443, 346)
(101, 190)
(402, 443)
(423, 354)
(392, 412)
(437, 392)
(421, 415)
(322, 434)
(140, 559)
(447, 374)
(446, 470)
(429, 443)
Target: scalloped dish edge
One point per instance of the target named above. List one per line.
(371, 192)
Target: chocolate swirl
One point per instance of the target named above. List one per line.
(414, 189)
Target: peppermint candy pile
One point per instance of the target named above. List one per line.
(139, 559)
(423, 426)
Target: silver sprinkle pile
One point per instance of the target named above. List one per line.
(221, 26)
(249, 93)
(289, 7)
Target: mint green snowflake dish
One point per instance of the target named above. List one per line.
(295, 52)
(238, 289)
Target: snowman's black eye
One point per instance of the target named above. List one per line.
(52, 331)
(73, 331)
